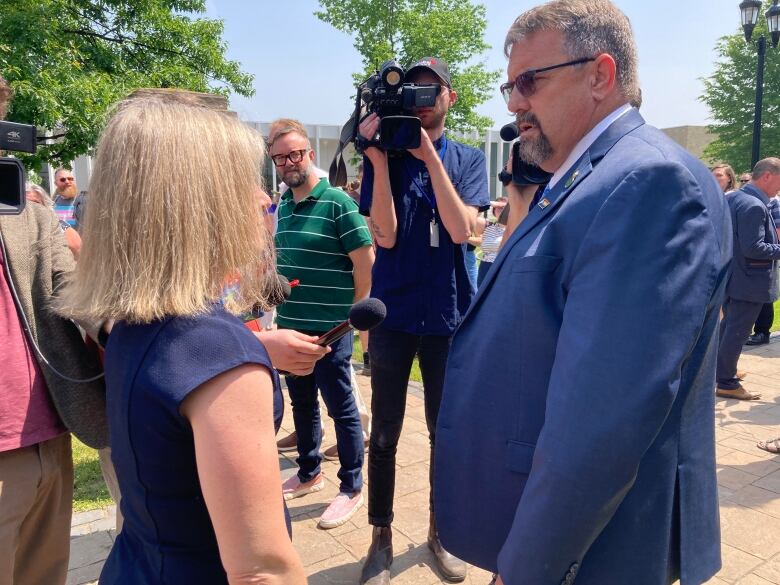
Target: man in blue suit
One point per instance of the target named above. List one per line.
(753, 279)
(590, 453)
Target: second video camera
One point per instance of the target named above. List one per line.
(20, 138)
(393, 100)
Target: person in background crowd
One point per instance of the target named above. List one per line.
(492, 236)
(193, 399)
(766, 317)
(38, 194)
(39, 408)
(423, 207)
(323, 242)
(725, 177)
(68, 203)
(753, 281)
(744, 179)
(588, 457)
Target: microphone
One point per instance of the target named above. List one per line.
(363, 315)
(279, 290)
(509, 132)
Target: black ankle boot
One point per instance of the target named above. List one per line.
(376, 568)
(451, 567)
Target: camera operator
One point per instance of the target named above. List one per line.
(423, 205)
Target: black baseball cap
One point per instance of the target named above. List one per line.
(435, 65)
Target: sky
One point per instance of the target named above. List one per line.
(303, 67)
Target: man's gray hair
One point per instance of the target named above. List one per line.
(769, 165)
(589, 28)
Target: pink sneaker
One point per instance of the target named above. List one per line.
(341, 509)
(293, 488)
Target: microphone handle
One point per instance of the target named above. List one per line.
(334, 334)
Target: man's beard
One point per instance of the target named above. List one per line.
(434, 119)
(68, 192)
(294, 179)
(534, 150)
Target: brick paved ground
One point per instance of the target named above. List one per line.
(749, 481)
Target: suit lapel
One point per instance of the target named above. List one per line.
(552, 201)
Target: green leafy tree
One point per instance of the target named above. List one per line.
(730, 95)
(410, 29)
(70, 60)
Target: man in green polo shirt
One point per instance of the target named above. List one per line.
(322, 241)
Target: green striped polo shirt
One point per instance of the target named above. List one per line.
(313, 240)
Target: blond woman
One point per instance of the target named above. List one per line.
(192, 397)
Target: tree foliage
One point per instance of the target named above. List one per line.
(410, 29)
(730, 95)
(70, 60)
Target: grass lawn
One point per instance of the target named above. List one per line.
(776, 322)
(89, 489)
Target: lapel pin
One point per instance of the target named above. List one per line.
(544, 203)
(572, 179)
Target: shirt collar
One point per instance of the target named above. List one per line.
(753, 190)
(586, 142)
(315, 194)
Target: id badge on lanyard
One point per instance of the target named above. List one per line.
(434, 232)
(422, 184)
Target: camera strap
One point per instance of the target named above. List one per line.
(337, 174)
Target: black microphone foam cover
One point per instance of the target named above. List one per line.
(367, 314)
(509, 132)
(277, 288)
(284, 286)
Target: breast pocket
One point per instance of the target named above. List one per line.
(536, 264)
(519, 456)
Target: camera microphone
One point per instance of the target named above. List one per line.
(509, 132)
(363, 315)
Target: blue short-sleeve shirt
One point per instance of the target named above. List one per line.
(151, 368)
(426, 289)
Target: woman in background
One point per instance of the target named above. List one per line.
(492, 236)
(725, 177)
(191, 393)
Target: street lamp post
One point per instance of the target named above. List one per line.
(750, 10)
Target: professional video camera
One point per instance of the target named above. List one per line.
(523, 173)
(20, 138)
(386, 94)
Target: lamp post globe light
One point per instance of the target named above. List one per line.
(750, 11)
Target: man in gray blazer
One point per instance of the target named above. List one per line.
(39, 408)
(753, 279)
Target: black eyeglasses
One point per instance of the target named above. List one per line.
(526, 81)
(294, 157)
(743, 181)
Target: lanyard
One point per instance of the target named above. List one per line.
(427, 190)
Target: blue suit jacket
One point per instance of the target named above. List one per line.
(754, 271)
(576, 431)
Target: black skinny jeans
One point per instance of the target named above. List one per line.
(392, 354)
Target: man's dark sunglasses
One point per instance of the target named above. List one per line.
(526, 81)
(294, 157)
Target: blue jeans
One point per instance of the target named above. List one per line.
(470, 257)
(333, 379)
(392, 354)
